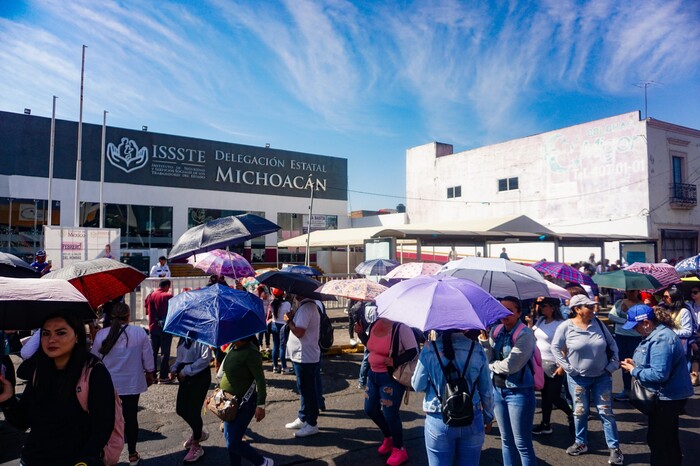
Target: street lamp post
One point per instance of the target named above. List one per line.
(307, 259)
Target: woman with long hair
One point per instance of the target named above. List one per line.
(264, 337)
(243, 376)
(459, 354)
(659, 365)
(682, 317)
(586, 350)
(544, 324)
(509, 358)
(192, 371)
(278, 308)
(62, 432)
(126, 351)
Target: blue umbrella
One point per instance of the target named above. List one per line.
(215, 315)
(376, 267)
(689, 266)
(302, 270)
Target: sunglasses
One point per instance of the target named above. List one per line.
(667, 296)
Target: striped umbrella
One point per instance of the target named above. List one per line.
(561, 271)
(376, 267)
(666, 274)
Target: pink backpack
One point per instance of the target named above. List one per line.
(537, 370)
(115, 444)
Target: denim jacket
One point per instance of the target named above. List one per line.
(511, 360)
(660, 364)
(477, 373)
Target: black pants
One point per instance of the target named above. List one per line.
(662, 435)
(190, 399)
(161, 342)
(551, 395)
(130, 408)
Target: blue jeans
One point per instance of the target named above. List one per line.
(161, 341)
(234, 431)
(383, 397)
(453, 445)
(515, 411)
(625, 347)
(306, 383)
(364, 368)
(600, 390)
(320, 399)
(279, 346)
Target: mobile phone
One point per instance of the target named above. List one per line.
(48, 261)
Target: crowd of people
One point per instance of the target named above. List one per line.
(495, 371)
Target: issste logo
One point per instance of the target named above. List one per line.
(127, 156)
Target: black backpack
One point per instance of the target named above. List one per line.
(325, 333)
(457, 406)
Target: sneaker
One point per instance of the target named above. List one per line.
(289, 370)
(398, 456)
(204, 438)
(194, 454)
(296, 424)
(622, 396)
(361, 386)
(542, 429)
(577, 449)
(306, 431)
(267, 461)
(134, 459)
(386, 447)
(273, 369)
(278, 370)
(616, 456)
(166, 381)
(353, 342)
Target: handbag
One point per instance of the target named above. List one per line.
(223, 404)
(403, 373)
(641, 397)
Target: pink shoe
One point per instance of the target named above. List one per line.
(194, 454)
(386, 447)
(398, 456)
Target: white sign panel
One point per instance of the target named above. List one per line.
(65, 245)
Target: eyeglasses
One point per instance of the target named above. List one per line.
(667, 296)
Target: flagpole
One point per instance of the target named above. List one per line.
(102, 167)
(307, 259)
(51, 151)
(79, 161)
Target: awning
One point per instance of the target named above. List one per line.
(333, 238)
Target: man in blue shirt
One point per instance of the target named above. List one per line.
(40, 264)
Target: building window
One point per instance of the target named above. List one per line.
(508, 184)
(141, 226)
(454, 191)
(677, 169)
(199, 216)
(21, 222)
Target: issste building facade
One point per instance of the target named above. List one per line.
(156, 186)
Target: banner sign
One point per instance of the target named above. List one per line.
(65, 245)
(152, 159)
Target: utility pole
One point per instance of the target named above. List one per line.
(307, 259)
(645, 85)
(79, 160)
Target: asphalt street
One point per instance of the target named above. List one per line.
(348, 437)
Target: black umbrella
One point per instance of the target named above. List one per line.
(13, 266)
(221, 232)
(25, 303)
(294, 283)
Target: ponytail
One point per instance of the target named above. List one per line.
(120, 317)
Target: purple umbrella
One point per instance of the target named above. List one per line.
(562, 271)
(430, 302)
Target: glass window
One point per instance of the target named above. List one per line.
(141, 227)
(21, 225)
(508, 184)
(458, 191)
(503, 184)
(450, 193)
(677, 165)
(513, 183)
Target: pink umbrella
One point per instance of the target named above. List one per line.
(360, 289)
(220, 262)
(666, 274)
(414, 269)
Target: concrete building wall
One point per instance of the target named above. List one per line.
(584, 178)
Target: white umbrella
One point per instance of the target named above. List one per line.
(500, 277)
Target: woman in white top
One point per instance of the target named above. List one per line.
(278, 308)
(544, 323)
(126, 352)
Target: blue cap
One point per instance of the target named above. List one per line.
(40, 252)
(636, 314)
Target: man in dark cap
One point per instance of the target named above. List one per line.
(40, 264)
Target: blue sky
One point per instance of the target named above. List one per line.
(360, 80)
